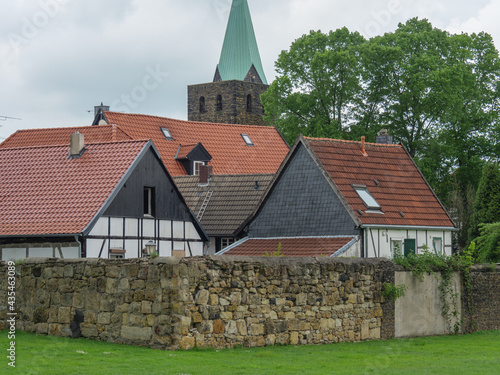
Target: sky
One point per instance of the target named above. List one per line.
(60, 58)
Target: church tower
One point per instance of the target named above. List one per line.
(234, 95)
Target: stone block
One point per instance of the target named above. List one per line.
(187, 343)
(218, 326)
(104, 318)
(136, 333)
(64, 316)
(202, 297)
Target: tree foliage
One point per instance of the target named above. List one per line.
(436, 92)
(487, 203)
(487, 245)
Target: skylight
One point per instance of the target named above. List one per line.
(247, 139)
(367, 198)
(167, 134)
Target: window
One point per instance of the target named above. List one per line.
(202, 104)
(167, 134)
(219, 103)
(396, 246)
(367, 198)
(149, 201)
(249, 103)
(437, 245)
(225, 242)
(196, 167)
(247, 139)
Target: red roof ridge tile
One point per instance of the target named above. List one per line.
(191, 122)
(353, 142)
(66, 145)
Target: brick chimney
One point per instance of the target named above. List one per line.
(383, 137)
(363, 149)
(205, 173)
(77, 145)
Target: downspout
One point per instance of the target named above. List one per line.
(79, 246)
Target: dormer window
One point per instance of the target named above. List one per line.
(367, 198)
(167, 134)
(247, 140)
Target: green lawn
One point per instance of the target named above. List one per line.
(469, 354)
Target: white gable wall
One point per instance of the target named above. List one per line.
(131, 235)
(379, 242)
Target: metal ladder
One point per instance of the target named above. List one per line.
(204, 205)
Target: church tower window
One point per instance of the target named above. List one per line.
(219, 103)
(249, 103)
(202, 104)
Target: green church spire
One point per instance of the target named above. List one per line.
(240, 51)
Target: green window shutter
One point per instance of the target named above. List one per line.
(410, 246)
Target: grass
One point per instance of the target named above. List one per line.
(468, 354)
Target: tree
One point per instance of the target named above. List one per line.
(487, 203)
(487, 245)
(437, 93)
(318, 85)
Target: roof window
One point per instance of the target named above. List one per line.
(367, 198)
(247, 140)
(167, 134)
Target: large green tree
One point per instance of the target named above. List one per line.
(436, 92)
(317, 87)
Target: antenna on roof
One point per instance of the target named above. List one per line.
(4, 118)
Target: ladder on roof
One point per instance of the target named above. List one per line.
(204, 205)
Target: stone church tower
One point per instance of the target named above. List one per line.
(234, 95)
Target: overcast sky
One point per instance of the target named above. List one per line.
(60, 58)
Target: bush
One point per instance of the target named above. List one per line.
(487, 245)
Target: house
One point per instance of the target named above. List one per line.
(370, 195)
(185, 145)
(223, 202)
(95, 200)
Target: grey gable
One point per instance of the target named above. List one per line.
(302, 202)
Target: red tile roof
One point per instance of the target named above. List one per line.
(230, 153)
(61, 136)
(290, 247)
(391, 177)
(43, 192)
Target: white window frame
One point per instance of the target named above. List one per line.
(196, 167)
(368, 200)
(396, 244)
(225, 242)
(247, 139)
(149, 193)
(167, 134)
(440, 241)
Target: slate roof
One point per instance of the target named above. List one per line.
(230, 154)
(43, 192)
(61, 136)
(240, 50)
(389, 174)
(291, 247)
(234, 198)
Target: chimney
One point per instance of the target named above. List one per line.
(363, 150)
(77, 145)
(98, 109)
(205, 173)
(383, 137)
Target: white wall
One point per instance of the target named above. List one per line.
(378, 241)
(41, 251)
(167, 235)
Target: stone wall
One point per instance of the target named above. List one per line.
(482, 307)
(214, 301)
(234, 102)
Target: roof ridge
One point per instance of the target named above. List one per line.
(190, 122)
(356, 142)
(67, 144)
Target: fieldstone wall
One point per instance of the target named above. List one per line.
(216, 302)
(482, 307)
